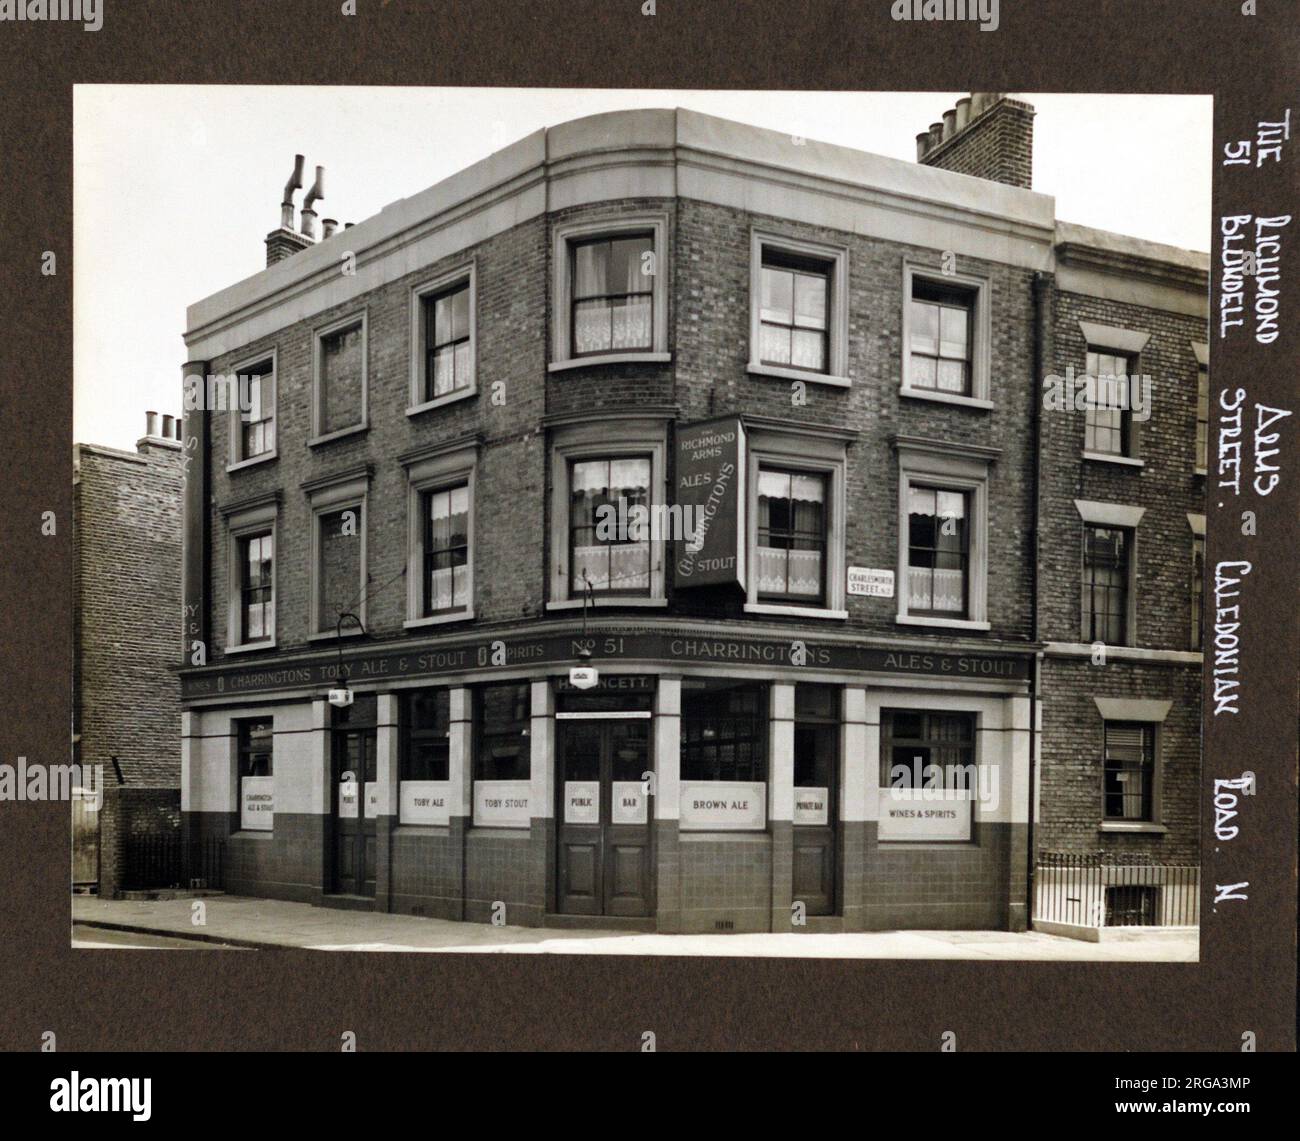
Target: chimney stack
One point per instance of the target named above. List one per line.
(987, 135)
(286, 241)
(308, 215)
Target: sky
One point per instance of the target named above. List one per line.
(175, 187)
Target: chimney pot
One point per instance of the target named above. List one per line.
(949, 123)
(177, 426)
(922, 145)
(151, 423)
(936, 134)
(329, 226)
(167, 426)
(963, 112)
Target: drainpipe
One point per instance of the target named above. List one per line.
(1042, 287)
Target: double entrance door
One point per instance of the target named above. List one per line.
(605, 863)
(352, 752)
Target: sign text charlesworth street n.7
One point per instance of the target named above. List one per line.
(609, 645)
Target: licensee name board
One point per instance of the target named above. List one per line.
(610, 645)
(720, 806)
(502, 803)
(424, 802)
(939, 815)
(257, 804)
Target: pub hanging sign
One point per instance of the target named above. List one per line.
(710, 490)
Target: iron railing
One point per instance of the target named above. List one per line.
(1107, 889)
(168, 861)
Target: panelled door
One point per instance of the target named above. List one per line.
(605, 863)
(816, 799)
(353, 751)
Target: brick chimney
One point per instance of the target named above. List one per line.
(987, 135)
(169, 436)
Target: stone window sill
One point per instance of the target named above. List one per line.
(947, 398)
(330, 437)
(1122, 461)
(265, 457)
(756, 368)
(609, 358)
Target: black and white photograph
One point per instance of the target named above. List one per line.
(647, 526)
(706, 523)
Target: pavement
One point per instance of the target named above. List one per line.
(238, 922)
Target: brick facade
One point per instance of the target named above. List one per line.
(127, 593)
(527, 399)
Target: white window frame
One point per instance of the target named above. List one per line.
(837, 336)
(1118, 516)
(251, 521)
(351, 490)
(562, 292)
(950, 467)
(361, 317)
(981, 335)
(816, 455)
(606, 439)
(234, 419)
(467, 274)
(442, 466)
(1148, 712)
(1122, 342)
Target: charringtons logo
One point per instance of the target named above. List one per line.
(88, 13)
(75, 1094)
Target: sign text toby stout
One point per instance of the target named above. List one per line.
(710, 480)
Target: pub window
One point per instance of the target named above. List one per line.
(448, 342)
(501, 720)
(426, 740)
(1108, 424)
(816, 735)
(1129, 770)
(794, 313)
(1202, 416)
(255, 748)
(792, 528)
(256, 427)
(724, 733)
(340, 374)
(446, 582)
(1198, 587)
(912, 740)
(941, 334)
(603, 554)
(339, 570)
(1106, 552)
(612, 282)
(938, 552)
(256, 587)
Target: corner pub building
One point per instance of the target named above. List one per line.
(834, 356)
